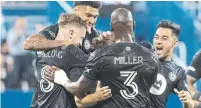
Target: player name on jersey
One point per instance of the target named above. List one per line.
(128, 60)
(50, 54)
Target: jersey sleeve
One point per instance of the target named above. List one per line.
(50, 32)
(195, 69)
(182, 84)
(75, 74)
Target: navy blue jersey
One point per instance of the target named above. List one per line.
(169, 76)
(128, 69)
(72, 60)
(51, 32)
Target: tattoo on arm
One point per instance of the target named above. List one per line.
(39, 42)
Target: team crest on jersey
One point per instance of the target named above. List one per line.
(172, 76)
(87, 44)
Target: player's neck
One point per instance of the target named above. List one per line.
(169, 57)
(123, 37)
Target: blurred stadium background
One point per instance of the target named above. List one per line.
(146, 14)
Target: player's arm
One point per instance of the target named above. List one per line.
(185, 98)
(38, 42)
(183, 93)
(44, 40)
(194, 73)
(91, 99)
(79, 88)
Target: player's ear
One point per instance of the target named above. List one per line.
(175, 43)
(75, 10)
(71, 33)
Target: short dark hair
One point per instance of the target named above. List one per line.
(94, 4)
(65, 19)
(171, 25)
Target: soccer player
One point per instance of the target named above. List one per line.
(126, 67)
(88, 11)
(194, 74)
(171, 77)
(69, 58)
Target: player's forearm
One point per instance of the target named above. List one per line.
(87, 101)
(188, 105)
(197, 104)
(196, 95)
(73, 88)
(38, 42)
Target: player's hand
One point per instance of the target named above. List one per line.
(184, 96)
(102, 93)
(55, 74)
(107, 37)
(104, 38)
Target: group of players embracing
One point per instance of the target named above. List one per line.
(78, 67)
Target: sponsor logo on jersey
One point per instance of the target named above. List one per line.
(159, 86)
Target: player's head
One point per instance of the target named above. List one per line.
(21, 23)
(146, 44)
(88, 11)
(166, 39)
(71, 28)
(122, 24)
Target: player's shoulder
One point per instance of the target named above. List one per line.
(179, 69)
(132, 47)
(99, 52)
(197, 56)
(53, 27)
(72, 49)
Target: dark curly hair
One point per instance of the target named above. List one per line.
(94, 4)
(171, 25)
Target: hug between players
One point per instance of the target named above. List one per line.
(77, 67)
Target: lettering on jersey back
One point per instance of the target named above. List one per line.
(128, 60)
(50, 54)
(159, 86)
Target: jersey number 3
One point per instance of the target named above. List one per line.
(129, 83)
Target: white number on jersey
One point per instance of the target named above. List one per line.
(129, 82)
